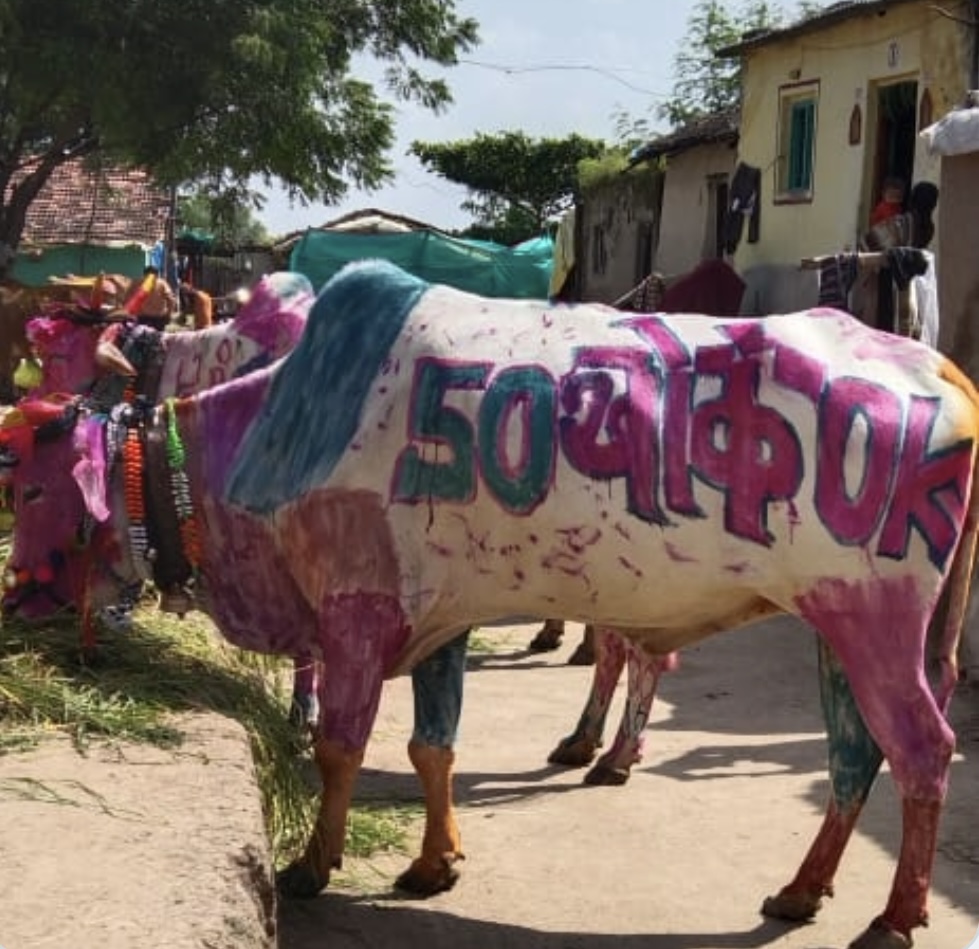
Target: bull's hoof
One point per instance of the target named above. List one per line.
(584, 655)
(424, 880)
(606, 776)
(878, 935)
(547, 640)
(573, 752)
(794, 907)
(298, 882)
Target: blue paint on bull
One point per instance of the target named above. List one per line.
(437, 687)
(315, 402)
(854, 756)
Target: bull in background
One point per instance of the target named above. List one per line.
(425, 460)
(19, 304)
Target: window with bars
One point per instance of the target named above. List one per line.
(797, 142)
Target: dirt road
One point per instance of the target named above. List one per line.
(716, 817)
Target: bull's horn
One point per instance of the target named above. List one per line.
(110, 357)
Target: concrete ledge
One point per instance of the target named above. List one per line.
(130, 845)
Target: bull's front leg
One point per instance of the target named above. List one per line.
(356, 633)
(338, 767)
(437, 682)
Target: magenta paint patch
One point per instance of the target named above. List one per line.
(67, 352)
(275, 314)
(362, 635)
(252, 591)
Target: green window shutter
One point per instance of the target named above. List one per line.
(802, 125)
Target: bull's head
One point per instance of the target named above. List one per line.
(53, 459)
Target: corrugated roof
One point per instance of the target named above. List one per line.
(717, 127)
(834, 13)
(80, 204)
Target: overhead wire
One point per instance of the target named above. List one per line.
(567, 67)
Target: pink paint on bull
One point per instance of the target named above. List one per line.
(844, 608)
(64, 347)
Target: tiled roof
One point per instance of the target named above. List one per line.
(81, 204)
(834, 13)
(708, 129)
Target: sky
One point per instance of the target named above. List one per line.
(548, 68)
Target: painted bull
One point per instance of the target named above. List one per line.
(425, 460)
(82, 352)
(77, 352)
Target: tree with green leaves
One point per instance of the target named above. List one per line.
(703, 82)
(516, 183)
(213, 92)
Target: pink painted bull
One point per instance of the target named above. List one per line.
(81, 352)
(425, 460)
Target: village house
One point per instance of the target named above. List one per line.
(831, 106)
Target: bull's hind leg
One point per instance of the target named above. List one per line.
(854, 760)
(578, 748)
(877, 630)
(644, 673)
(437, 682)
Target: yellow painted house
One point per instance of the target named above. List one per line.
(832, 105)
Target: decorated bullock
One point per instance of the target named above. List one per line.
(78, 349)
(83, 350)
(425, 460)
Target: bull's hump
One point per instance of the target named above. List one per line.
(315, 403)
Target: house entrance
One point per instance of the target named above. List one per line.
(896, 105)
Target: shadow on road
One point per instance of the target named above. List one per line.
(357, 921)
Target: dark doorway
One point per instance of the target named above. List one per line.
(897, 121)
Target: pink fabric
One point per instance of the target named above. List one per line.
(89, 471)
(711, 288)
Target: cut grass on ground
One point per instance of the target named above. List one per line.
(162, 665)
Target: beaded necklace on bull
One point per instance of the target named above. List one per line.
(126, 437)
(127, 413)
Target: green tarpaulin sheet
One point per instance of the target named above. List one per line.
(491, 270)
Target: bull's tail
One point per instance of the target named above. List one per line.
(960, 575)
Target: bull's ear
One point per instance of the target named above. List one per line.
(109, 357)
(89, 470)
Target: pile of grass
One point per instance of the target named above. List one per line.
(159, 666)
